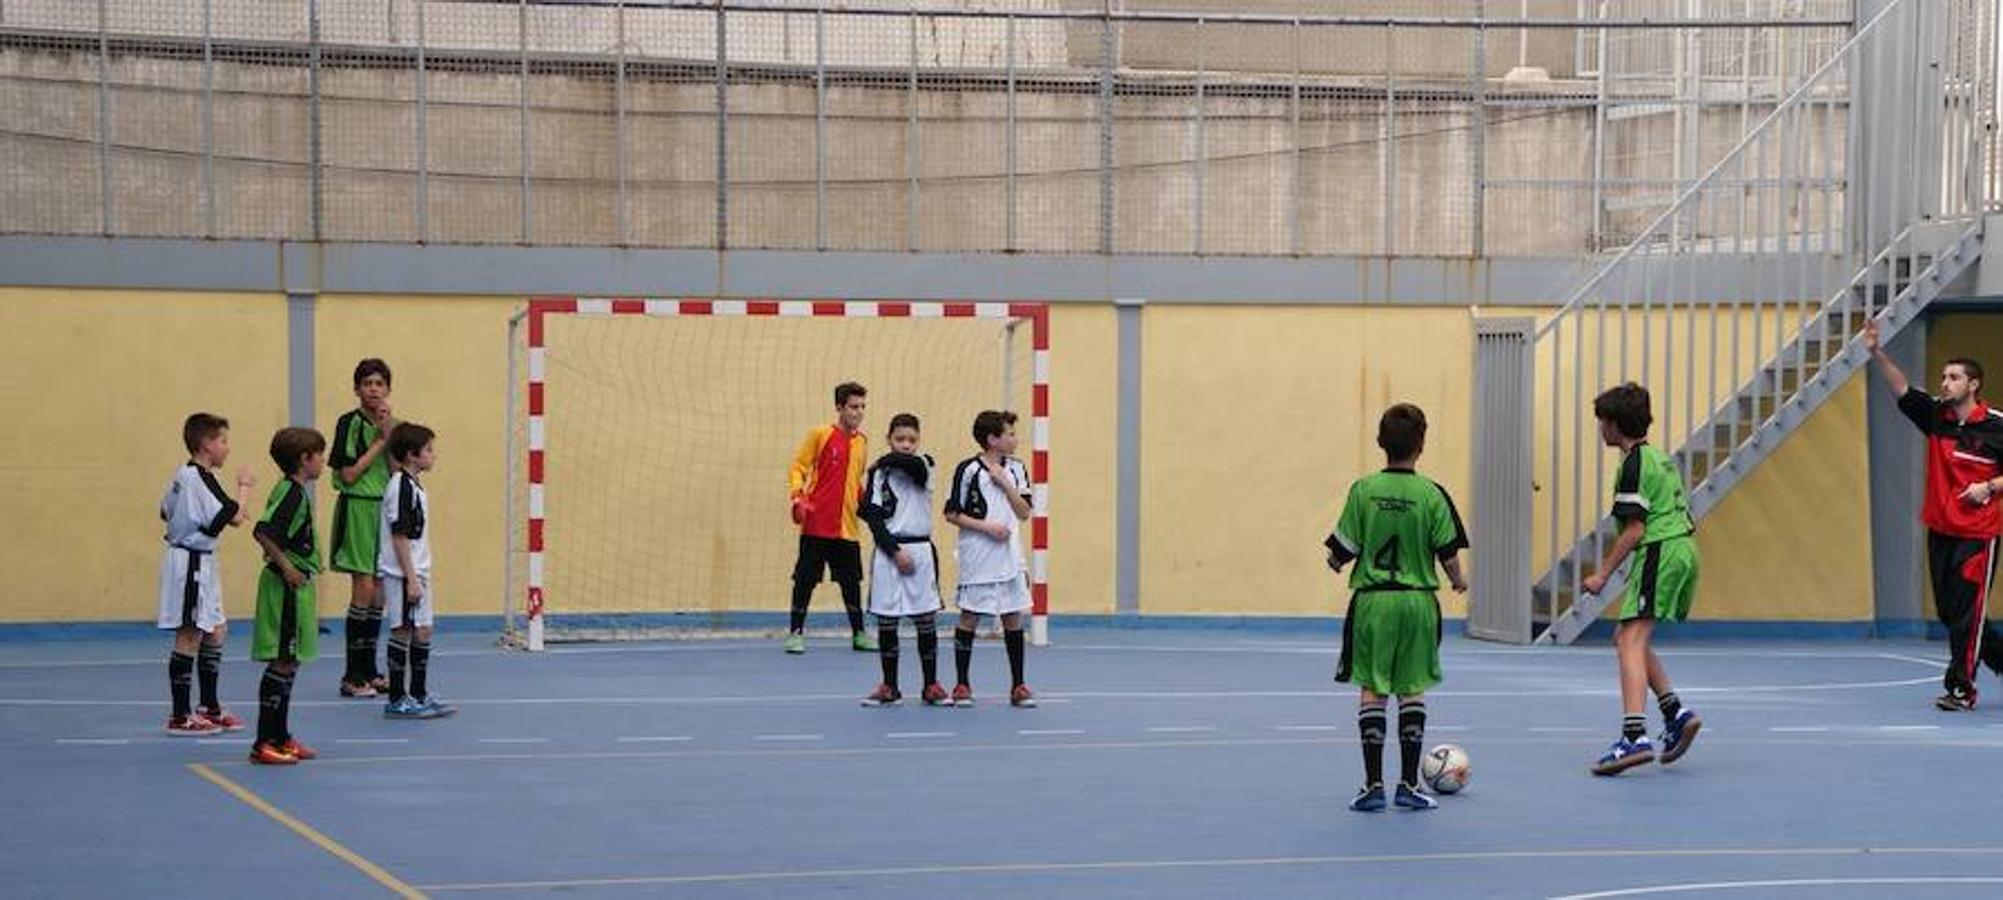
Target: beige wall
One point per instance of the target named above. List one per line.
(94, 391)
(1254, 420)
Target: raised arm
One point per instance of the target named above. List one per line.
(1895, 377)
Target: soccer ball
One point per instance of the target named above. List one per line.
(1445, 769)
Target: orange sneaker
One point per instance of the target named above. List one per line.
(223, 719)
(933, 695)
(963, 695)
(263, 754)
(1022, 697)
(298, 750)
(191, 725)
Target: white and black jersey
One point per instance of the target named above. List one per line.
(974, 494)
(406, 513)
(897, 507)
(195, 511)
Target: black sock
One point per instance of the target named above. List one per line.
(1670, 706)
(285, 707)
(1633, 728)
(420, 664)
(852, 603)
(180, 682)
(1370, 726)
(357, 626)
(886, 649)
(209, 673)
(371, 634)
(271, 706)
(1411, 738)
(963, 652)
(928, 646)
(803, 591)
(1013, 640)
(399, 656)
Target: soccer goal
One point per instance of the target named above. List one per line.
(649, 442)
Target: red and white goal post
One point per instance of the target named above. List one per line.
(649, 440)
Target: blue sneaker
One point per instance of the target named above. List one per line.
(1625, 755)
(1369, 799)
(402, 708)
(1410, 797)
(1678, 734)
(433, 708)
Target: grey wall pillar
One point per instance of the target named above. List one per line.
(1127, 462)
(1898, 474)
(299, 357)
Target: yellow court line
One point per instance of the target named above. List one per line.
(308, 832)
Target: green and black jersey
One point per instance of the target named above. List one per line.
(288, 522)
(1397, 525)
(353, 433)
(1650, 489)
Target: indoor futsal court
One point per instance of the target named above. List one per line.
(1184, 763)
(1001, 448)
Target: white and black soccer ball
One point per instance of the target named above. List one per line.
(1445, 769)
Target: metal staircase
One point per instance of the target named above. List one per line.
(1797, 248)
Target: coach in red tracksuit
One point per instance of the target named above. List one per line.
(1964, 479)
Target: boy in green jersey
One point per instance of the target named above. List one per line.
(287, 630)
(1656, 528)
(1395, 525)
(361, 469)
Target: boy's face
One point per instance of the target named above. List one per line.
(372, 390)
(215, 450)
(312, 465)
(1609, 433)
(1955, 385)
(850, 413)
(1003, 443)
(904, 440)
(423, 459)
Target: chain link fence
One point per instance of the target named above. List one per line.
(1452, 128)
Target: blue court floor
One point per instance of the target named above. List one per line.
(1163, 764)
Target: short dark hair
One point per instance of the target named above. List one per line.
(1625, 405)
(371, 366)
(1969, 367)
(199, 428)
(990, 424)
(407, 439)
(1402, 431)
(848, 389)
(290, 446)
(902, 420)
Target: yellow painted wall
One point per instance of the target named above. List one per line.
(93, 392)
(1255, 419)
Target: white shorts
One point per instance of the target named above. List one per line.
(393, 603)
(994, 598)
(191, 591)
(893, 593)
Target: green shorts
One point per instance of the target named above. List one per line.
(355, 533)
(288, 620)
(1662, 582)
(1391, 642)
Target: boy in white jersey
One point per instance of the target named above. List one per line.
(196, 511)
(988, 499)
(403, 566)
(904, 569)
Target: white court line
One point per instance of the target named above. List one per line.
(661, 739)
(1690, 887)
(1042, 732)
(1559, 730)
(372, 740)
(96, 742)
(1449, 728)
(1800, 729)
(915, 735)
(1307, 728)
(1182, 729)
(1936, 663)
(789, 737)
(218, 741)
(1200, 864)
(515, 740)
(1909, 728)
